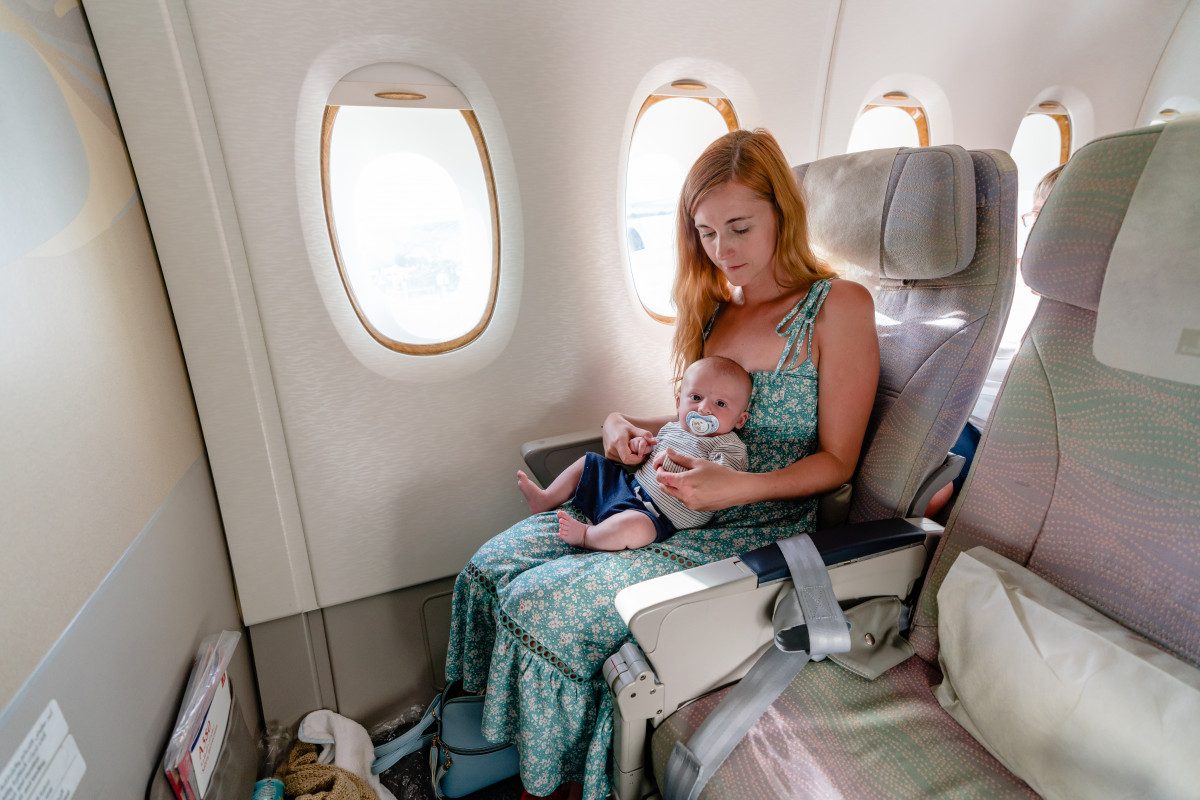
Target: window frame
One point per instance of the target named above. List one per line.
(727, 112)
(912, 107)
(1065, 133)
(1057, 112)
(721, 104)
(409, 348)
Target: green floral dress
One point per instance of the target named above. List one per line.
(533, 618)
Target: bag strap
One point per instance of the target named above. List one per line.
(412, 740)
(808, 624)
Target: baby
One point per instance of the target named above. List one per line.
(629, 511)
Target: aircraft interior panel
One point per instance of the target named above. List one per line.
(977, 88)
(335, 485)
(1173, 86)
(106, 486)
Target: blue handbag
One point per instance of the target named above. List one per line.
(461, 760)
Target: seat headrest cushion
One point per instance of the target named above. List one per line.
(1068, 249)
(902, 213)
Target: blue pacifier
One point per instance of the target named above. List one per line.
(701, 424)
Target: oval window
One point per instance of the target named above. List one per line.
(893, 120)
(411, 209)
(671, 131)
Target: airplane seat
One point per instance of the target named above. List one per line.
(931, 232)
(1088, 482)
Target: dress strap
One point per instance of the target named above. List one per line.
(797, 326)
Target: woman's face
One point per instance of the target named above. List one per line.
(737, 229)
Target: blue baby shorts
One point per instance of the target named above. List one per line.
(605, 488)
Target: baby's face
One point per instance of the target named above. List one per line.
(712, 393)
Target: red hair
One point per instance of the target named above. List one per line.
(754, 160)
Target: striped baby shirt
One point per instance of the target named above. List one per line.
(727, 449)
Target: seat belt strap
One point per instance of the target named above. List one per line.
(819, 613)
(807, 621)
(692, 764)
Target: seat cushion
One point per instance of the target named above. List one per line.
(1069, 700)
(832, 734)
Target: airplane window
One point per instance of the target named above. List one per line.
(1043, 141)
(669, 134)
(411, 209)
(893, 120)
(1164, 115)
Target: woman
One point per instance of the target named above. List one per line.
(533, 617)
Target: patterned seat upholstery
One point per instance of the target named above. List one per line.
(834, 735)
(1088, 475)
(942, 268)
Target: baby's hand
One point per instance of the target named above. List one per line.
(640, 447)
(659, 460)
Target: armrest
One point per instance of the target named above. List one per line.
(839, 545)
(944, 474)
(704, 627)
(546, 458)
(834, 507)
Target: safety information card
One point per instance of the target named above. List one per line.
(47, 765)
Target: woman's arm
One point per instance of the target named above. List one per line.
(848, 350)
(618, 430)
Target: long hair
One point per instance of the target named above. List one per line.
(755, 160)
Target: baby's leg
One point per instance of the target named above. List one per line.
(624, 531)
(560, 490)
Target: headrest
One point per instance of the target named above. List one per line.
(901, 213)
(1120, 235)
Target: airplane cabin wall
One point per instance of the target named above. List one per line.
(978, 67)
(114, 564)
(1176, 82)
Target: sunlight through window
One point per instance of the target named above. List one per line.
(669, 135)
(880, 126)
(411, 209)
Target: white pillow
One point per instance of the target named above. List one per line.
(1070, 701)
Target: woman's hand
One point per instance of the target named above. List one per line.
(703, 485)
(619, 435)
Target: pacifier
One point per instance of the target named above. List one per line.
(701, 424)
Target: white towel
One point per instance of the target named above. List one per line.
(344, 743)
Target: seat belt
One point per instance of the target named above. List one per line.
(808, 624)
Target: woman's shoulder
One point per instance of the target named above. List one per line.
(848, 295)
(848, 305)
(847, 298)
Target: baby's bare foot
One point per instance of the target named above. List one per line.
(571, 530)
(534, 496)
